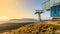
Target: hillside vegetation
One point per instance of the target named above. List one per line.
(39, 28)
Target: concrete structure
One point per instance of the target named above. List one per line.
(46, 5)
(53, 6)
(49, 3)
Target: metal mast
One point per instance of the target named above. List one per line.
(39, 12)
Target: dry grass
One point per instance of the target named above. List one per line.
(40, 28)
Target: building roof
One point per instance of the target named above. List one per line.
(48, 4)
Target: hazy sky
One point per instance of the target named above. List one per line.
(21, 9)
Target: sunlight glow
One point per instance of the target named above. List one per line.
(4, 17)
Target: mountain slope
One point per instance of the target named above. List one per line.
(39, 28)
(16, 23)
(22, 20)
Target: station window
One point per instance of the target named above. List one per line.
(55, 11)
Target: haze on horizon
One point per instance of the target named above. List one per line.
(21, 9)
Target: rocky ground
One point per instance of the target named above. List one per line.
(46, 27)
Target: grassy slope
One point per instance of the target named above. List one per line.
(39, 28)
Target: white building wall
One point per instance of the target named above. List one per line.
(49, 3)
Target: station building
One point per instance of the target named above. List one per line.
(53, 6)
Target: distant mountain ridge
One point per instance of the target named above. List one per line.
(16, 23)
(22, 20)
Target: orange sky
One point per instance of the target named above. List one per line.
(19, 8)
(13, 9)
(8, 8)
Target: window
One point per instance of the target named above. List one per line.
(58, 10)
(55, 11)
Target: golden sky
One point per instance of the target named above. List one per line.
(19, 8)
(8, 8)
(14, 9)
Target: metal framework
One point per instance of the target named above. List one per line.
(39, 12)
